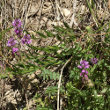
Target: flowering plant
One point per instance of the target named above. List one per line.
(26, 39)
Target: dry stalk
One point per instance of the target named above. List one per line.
(25, 13)
(61, 103)
(40, 9)
(14, 8)
(74, 13)
(4, 17)
(27, 102)
(25, 86)
(57, 9)
(59, 83)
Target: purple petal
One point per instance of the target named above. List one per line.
(81, 74)
(29, 41)
(14, 50)
(17, 23)
(11, 42)
(26, 39)
(87, 66)
(18, 31)
(94, 60)
(23, 40)
(86, 62)
(86, 72)
(79, 66)
(83, 71)
(82, 61)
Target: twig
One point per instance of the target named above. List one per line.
(73, 16)
(27, 102)
(16, 8)
(61, 100)
(25, 85)
(40, 12)
(13, 9)
(57, 9)
(59, 83)
(25, 13)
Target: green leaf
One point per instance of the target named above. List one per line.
(43, 108)
(49, 34)
(41, 35)
(52, 90)
(46, 74)
(60, 29)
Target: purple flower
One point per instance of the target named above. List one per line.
(85, 78)
(18, 31)
(84, 75)
(79, 66)
(17, 23)
(11, 42)
(84, 64)
(83, 72)
(94, 60)
(14, 50)
(26, 39)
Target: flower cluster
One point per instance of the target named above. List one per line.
(18, 32)
(14, 50)
(26, 39)
(94, 60)
(17, 23)
(17, 26)
(83, 66)
(11, 43)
